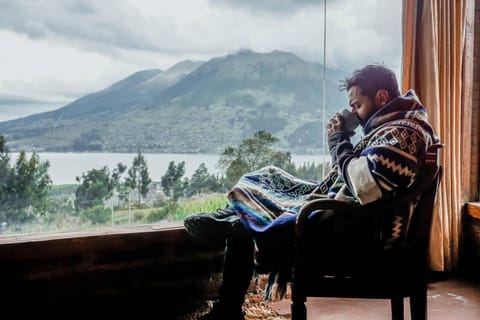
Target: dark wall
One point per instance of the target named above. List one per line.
(113, 270)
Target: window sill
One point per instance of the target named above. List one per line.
(93, 232)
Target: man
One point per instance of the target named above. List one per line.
(258, 224)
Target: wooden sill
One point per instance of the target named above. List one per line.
(93, 232)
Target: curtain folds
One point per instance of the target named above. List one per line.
(434, 37)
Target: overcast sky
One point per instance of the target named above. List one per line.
(60, 50)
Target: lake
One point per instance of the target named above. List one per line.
(65, 166)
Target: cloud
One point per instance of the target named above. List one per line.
(96, 23)
(359, 34)
(66, 48)
(270, 6)
(174, 27)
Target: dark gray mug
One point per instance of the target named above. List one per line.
(350, 120)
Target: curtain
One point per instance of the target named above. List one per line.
(437, 55)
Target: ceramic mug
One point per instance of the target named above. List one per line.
(350, 120)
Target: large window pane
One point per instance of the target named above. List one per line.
(119, 113)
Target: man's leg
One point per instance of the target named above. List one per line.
(238, 263)
(237, 274)
(214, 226)
(237, 271)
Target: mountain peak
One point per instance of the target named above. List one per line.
(184, 65)
(135, 78)
(248, 64)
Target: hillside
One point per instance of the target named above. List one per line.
(194, 107)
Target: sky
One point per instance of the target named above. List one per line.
(56, 51)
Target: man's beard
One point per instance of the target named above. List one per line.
(370, 115)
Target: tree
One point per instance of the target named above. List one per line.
(96, 186)
(117, 174)
(172, 180)
(172, 184)
(253, 153)
(23, 187)
(138, 176)
(122, 189)
(202, 182)
(90, 141)
(311, 171)
(5, 171)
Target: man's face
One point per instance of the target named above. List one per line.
(361, 105)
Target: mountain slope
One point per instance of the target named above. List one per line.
(192, 107)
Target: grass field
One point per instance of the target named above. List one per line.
(203, 203)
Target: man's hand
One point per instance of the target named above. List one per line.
(335, 124)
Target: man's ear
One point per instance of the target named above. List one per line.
(382, 97)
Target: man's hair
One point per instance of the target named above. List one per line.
(370, 79)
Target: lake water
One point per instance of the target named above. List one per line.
(65, 167)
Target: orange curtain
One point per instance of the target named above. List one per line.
(436, 61)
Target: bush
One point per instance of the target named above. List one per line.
(97, 214)
(157, 215)
(138, 216)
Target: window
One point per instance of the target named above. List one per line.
(140, 99)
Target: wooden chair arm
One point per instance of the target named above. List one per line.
(323, 204)
(338, 206)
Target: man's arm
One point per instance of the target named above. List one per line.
(387, 164)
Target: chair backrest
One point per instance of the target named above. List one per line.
(418, 236)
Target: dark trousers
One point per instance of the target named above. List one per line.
(238, 270)
(276, 245)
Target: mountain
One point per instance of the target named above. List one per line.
(192, 107)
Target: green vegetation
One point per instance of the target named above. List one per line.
(104, 197)
(96, 186)
(252, 154)
(138, 176)
(24, 187)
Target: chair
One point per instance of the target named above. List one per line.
(374, 273)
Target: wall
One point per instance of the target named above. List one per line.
(114, 270)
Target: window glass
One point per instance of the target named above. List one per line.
(137, 112)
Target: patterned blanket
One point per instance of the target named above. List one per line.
(271, 196)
